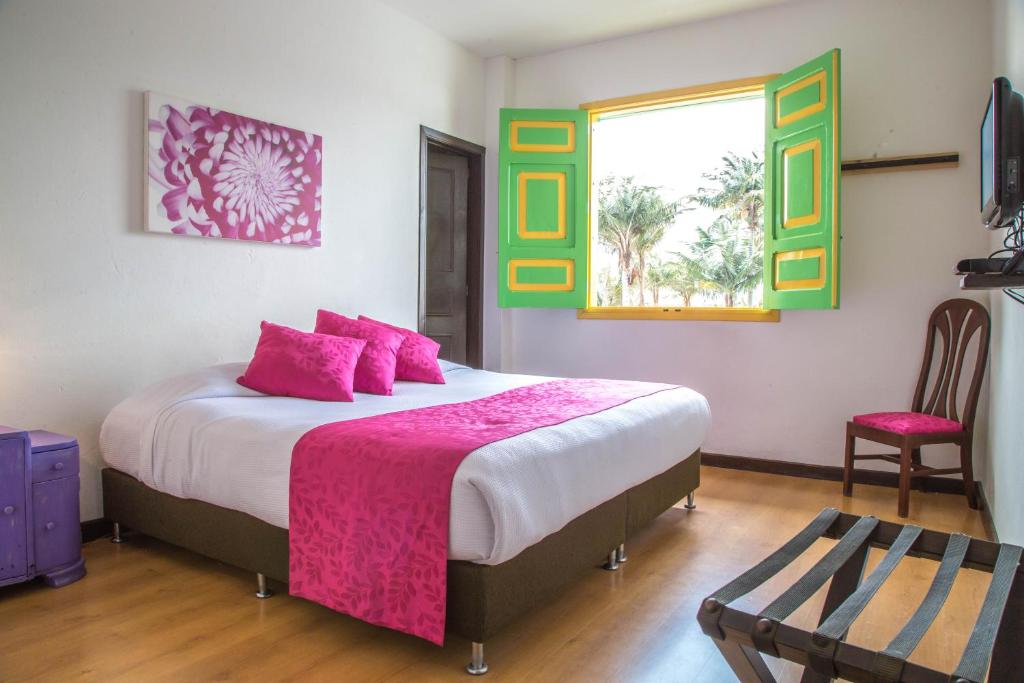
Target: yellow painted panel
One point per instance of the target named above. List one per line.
(800, 254)
(513, 274)
(814, 147)
(696, 93)
(516, 146)
(814, 79)
(681, 313)
(521, 225)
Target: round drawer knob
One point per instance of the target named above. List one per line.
(50, 526)
(9, 510)
(58, 466)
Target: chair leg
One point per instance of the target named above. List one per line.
(848, 465)
(966, 456)
(904, 495)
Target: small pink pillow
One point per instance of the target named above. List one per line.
(417, 357)
(288, 362)
(375, 372)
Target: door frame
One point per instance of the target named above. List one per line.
(474, 154)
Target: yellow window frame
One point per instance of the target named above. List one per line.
(693, 94)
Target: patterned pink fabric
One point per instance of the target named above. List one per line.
(369, 500)
(909, 423)
(417, 357)
(288, 362)
(375, 373)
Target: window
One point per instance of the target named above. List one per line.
(718, 202)
(677, 204)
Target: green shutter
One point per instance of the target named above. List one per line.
(542, 205)
(801, 245)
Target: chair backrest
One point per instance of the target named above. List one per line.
(955, 322)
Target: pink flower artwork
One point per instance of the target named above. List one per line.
(216, 174)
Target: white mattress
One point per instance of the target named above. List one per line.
(205, 437)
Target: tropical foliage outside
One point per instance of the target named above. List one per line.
(720, 265)
(678, 205)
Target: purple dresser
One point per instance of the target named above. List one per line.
(40, 532)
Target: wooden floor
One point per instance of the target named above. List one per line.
(148, 612)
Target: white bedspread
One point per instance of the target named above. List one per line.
(203, 436)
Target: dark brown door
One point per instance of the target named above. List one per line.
(447, 286)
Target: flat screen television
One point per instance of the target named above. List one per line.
(1002, 143)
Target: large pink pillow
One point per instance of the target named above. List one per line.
(417, 357)
(288, 362)
(375, 372)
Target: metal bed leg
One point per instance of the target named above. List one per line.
(621, 553)
(477, 666)
(613, 561)
(690, 505)
(262, 592)
(117, 534)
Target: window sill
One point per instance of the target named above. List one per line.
(694, 313)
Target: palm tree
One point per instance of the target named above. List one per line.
(723, 260)
(686, 280)
(740, 190)
(660, 275)
(632, 219)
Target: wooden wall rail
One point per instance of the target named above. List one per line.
(914, 162)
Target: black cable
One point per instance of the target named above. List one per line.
(1014, 239)
(1014, 243)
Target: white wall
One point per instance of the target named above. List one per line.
(1005, 474)
(92, 308)
(914, 76)
(498, 72)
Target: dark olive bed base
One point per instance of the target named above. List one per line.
(481, 598)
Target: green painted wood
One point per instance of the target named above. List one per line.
(551, 159)
(802, 135)
(800, 269)
(547, 275)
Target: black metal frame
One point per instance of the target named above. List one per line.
(742, 637)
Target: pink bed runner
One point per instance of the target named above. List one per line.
(369, 500)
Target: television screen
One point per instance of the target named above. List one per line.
(987, 155)
(1002, 145)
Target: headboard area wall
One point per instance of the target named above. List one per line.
(92, 307)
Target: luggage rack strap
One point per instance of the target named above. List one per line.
(816, 576)
(711, 608)
(825, 639)
(889, 663)
(974, 662)
(777, 561)
(993, 647)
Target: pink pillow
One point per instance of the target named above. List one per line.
(375, 372)
(417, 357)
(288, 362)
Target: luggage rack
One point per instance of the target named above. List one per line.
(998, 634)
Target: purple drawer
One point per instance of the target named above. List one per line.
(58, 535)
(13, 513)
(49, 465)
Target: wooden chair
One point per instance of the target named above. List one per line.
(934, 418)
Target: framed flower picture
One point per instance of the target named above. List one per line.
(211, 173)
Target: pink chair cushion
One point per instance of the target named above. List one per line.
(417, 357)
(288, 362)
(375, 372)
(909, 423)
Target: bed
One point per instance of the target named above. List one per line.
(203, 463)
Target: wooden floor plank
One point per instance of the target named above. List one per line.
(150, 612)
